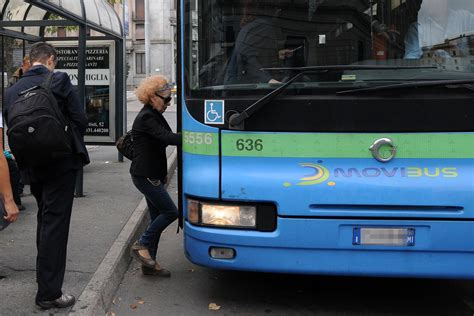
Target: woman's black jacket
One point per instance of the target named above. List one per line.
(151, 134)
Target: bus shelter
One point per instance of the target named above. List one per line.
(93, 56)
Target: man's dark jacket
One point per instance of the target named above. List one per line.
(151, 135)
(70, 106)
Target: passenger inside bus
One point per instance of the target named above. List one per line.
(259, 44)
(438, 22)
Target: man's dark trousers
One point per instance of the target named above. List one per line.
(55, 197)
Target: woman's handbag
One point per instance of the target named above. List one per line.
(125, 145)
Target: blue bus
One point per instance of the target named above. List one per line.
(328, 136)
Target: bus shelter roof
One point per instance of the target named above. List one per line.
(25, 18)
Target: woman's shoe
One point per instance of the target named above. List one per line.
(135, 252)
(156, 271)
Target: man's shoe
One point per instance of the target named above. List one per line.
(156, 272)
(134, 251)
(64, 301)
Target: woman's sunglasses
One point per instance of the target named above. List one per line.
(165, 99)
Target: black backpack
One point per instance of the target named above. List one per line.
(37, 130)
(125, 145)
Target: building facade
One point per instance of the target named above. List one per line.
(162, 26)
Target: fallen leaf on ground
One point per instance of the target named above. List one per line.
(214, 307)
(116, 300)
(190, 270)
(110, 314)
(141, 302)
(133, 306)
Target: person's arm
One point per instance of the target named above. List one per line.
(74, 108)
(5, 187)
(153, 128)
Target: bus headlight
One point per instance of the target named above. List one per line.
(221, 215)
(226, 215)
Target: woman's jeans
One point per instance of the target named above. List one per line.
(162, 210)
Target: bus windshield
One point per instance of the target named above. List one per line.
(234, 45)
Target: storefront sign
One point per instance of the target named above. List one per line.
(99, 85)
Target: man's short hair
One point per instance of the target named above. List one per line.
(40, 52)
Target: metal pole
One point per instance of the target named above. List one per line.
(147, 37)
(123, 50)
(120, 91)
(180, 85)
(125, 73)
(81, 87)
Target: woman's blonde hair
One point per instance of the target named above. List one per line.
(149, 86)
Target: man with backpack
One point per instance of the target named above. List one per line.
(46, 124)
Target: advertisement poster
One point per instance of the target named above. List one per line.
(98, 86)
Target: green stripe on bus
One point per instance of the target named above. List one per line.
(325, 145)
(201, 143)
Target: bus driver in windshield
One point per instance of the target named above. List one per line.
(258, 45)
(436, 23)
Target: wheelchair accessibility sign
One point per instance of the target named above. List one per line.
(214, 112)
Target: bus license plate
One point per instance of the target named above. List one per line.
(383, 236)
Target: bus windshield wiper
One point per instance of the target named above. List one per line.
(466, 83)
(236, 120)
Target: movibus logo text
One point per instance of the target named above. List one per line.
(404, 172)
(322, 174)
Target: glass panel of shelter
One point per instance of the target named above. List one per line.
(2, 4)
(105, 18)
(55, 2)
(71, 6)
(116, 22)
(114, 19)
(12, 59)
(15, 11)
(35, 14)
(92, 12)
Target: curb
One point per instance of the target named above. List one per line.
(98, 294)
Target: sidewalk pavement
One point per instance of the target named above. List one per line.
(98, 220)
